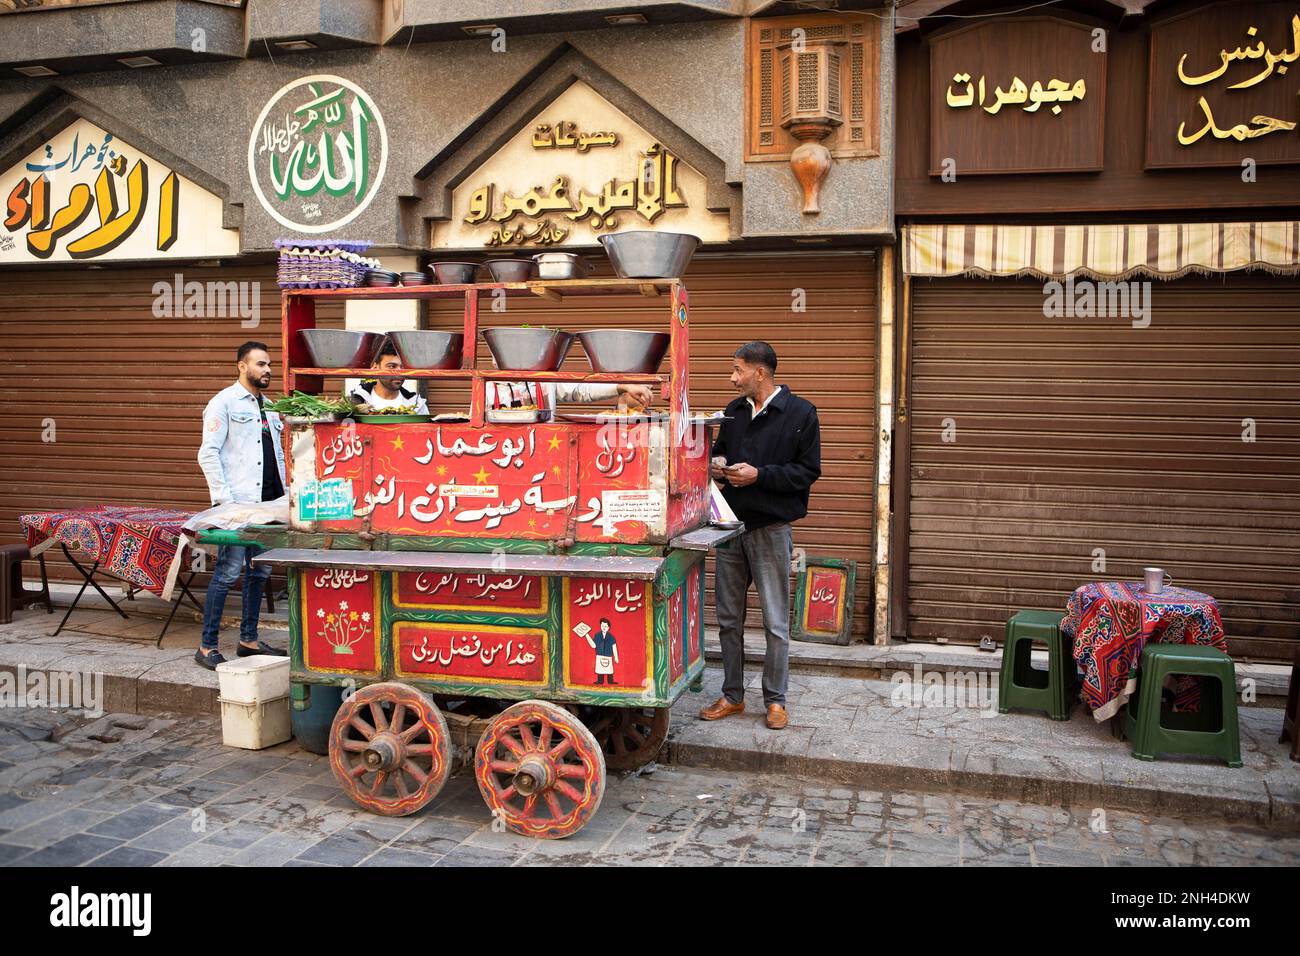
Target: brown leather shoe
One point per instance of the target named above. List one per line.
(776, 717)
(721, 708)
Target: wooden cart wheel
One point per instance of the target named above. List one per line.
(390, 749)
(630, 737)
(540, 770)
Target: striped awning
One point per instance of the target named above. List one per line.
(1109, 251)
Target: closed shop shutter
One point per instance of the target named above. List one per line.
(826, 353)
(1070, 437)
(122, 388)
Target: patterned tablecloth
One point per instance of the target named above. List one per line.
(133, 543)
(1110, 622)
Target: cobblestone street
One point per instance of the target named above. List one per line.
(136, 791)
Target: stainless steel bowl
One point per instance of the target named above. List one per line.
(648, 254)
(510, 270)
(425, 348)
(528, 350)
(561, 265)
(454, 273)
(340, 348)
(625, 350)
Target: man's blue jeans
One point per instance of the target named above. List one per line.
(231, 561)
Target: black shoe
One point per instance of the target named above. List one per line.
(210, 661)
(261, 648)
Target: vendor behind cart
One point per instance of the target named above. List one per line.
(243, 461)
(388, 392)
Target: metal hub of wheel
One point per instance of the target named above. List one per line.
(540, 770)
(389, 749)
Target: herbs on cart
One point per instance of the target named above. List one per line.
(302, 405)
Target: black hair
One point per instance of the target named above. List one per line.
(247, 347)
(757, 353)
(605, 620)
(386, 347)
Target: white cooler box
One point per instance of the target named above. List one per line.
(254, 697)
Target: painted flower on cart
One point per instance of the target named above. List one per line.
(344, 629)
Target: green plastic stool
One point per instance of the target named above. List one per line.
(1020, 684)
(1154, 729)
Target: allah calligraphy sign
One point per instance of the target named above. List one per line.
(578, 169)
(1016, 95)
(317, 153)
(1225, 87)
(85, 194)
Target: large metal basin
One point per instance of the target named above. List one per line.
(340, 348)
(511, 270)
(528, 350)
(625, 350)
(648, 254)
(425, 348)
(454, 273)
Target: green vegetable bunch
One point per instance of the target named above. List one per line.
(302, 405)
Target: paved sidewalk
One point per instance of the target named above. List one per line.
(851, 731)
(843, 728)
(130, 791)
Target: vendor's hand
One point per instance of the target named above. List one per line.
(742, 474)
(717, 468)
(640, 396)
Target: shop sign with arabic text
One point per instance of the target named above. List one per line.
(85, 194)
(1225, 87)
(317, 153)
(581, 168)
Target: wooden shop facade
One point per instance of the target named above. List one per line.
(1099, 346)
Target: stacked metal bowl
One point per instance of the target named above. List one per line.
(341, 348)
(381, 279)
(414, 278)
(649, 253)
(528, 349)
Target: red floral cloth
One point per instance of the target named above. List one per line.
(1110, 623)
(132, 543)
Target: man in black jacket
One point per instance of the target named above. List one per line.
(766, 457)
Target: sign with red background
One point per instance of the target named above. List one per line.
(825, 600)
(518, 593)
(676, 653)
(627, 607)
(471, 652)
(694, 625)
(340, 620)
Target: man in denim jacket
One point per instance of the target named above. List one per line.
(243, 461)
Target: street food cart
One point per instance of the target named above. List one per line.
(532, 591)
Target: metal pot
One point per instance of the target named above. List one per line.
(625, 350)
(649, 254)
(561, 265)
(510, 270)
(340, 348)
(426, 348)
(454, 273)
(528, 350)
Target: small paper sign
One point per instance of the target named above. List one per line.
(328, 500)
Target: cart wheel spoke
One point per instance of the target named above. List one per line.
(400, 785)
(539, 751)
(526, 735)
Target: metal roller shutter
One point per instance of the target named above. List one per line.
(1076, 434)
(827, 355)
(125, 389)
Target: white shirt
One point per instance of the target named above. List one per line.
(376, 401)
(755, 411)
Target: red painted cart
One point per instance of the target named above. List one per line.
(538, 587)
